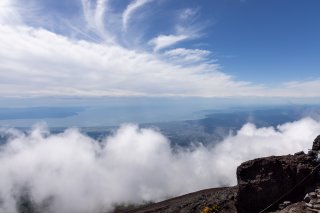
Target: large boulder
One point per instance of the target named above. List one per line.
(264, 180)
(316, 144)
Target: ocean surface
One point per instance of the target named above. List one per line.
(182, 123)
(163, 112)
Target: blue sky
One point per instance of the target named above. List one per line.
(159, 48)
(271, 41)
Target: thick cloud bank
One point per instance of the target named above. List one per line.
(70, 172)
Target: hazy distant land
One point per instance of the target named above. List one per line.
(207, 127)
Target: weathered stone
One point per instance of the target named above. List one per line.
(299, 153)
(312, 194)
(316, 144)
(264, 180)
(313, 201)
(286, 203)
(313, 206)
(299, 207)
(312, 153)
(307, 198)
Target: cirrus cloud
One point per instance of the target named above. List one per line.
(131, 8)
(36, 61)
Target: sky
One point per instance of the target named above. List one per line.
(159, 48)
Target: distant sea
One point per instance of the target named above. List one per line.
(94, 116)
(114, 113)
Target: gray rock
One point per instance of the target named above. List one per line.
(287, 203)
(316, 144)
(312, 194)
(299, 153)
(264, 180)
(307, 198)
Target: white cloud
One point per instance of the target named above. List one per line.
(308, 88)
(303, 89)
(187, 13)
(185, 29)
(130, 10)
(164, 41)
(74, 173)
(38, 62)
(9, 13)
(188, 55)
(95, 15)
(99, 16)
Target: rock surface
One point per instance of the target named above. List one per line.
(214, 200)
(298, 207)
(316, 144)
(265, 180)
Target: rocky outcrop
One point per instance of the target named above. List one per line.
(266, 180)
(312, 201)
(316, 144)
(298, 207)
(204, 201)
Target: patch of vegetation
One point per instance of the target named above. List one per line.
(212, 208)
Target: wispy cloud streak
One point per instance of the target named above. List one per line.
(35, 61)
(130, 10)
(95, 15)
(164, 41)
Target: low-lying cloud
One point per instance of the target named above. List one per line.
(70, 172)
